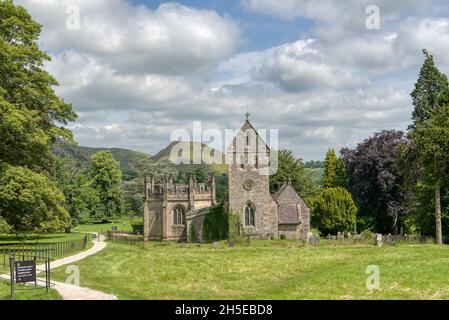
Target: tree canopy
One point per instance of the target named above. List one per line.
(291, 168)
(334, 211)
(105, 178)
(375, 181)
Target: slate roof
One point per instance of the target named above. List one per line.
(288, 214)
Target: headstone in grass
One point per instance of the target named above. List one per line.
(314, 240)
(309, 235)
(379, 240)
(216, 244)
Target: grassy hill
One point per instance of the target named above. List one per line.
(82, 155)
(164, 155)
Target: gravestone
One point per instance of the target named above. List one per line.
(216, 245)
(379, 240)
(314, 240)
(309, 235)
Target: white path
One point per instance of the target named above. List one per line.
(70, 291)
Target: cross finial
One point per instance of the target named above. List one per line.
(247, 115)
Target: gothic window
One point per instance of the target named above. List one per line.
(250, 220)
(179, 215)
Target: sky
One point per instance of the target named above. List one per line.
(321, 72)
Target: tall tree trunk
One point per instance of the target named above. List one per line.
(438, 231)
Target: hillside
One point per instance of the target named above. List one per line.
(164, 155)
(82, 155)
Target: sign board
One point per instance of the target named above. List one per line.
(25, 271)
(114, 228)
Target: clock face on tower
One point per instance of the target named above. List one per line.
(248, 185)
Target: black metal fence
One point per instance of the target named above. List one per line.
(41, 251)
(125, 238)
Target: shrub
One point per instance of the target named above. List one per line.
(233, 221)
(215, 224)
(367, 234)
(192, 234)
(137, 225)
(315, 232)
(282, 237)
(334, 211)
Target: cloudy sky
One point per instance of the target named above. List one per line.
(136, 70)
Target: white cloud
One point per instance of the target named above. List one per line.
(135, 74)
(173, 39)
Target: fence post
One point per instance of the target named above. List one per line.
(11, 272)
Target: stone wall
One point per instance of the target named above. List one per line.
(291, 231)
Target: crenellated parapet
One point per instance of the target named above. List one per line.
(169, 190)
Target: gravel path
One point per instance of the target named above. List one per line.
(70, 291)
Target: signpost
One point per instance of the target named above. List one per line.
(25, 271)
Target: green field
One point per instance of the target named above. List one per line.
(46, 238)
(28, 293)
(266, 270)
(123, 225)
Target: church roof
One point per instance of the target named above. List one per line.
(288, 201)
(247, 125)
(288, 213)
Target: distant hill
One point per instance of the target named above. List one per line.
(82, 155)
(164, 155)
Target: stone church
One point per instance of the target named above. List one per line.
(171, 209)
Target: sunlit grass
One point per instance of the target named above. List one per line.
(266, 270)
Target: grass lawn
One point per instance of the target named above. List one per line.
(123, 225)
(34, 294)
(265, 270)
(52, 237)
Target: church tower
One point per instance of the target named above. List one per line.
(249, 193)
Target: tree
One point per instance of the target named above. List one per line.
(428, 133)
(431, 83)
(431, 139)
(105, 179)
(334, 211)
(374, 180)
(334, 171)
(4, 227)
(291, 168)
(22, 141)
(26, 90)
(32, 119)
(81, 198)
(30, 203)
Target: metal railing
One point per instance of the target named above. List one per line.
(41, 251)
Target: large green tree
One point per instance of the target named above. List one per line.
(291, 168)
(334, 171)
(106, 177)
(428, 132)
(29, 202)
(334, 211)
(431, 140)
(38, 115)
(429, 87)
(81, 197)
(32, 119)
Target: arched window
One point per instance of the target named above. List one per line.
(250, 220)
(179, 215)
